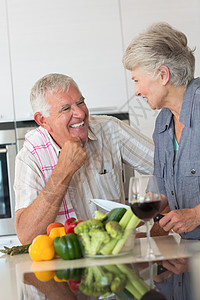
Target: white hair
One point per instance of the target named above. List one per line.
(160, 45)
(50, 83)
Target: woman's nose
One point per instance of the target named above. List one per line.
(137, 93)
(137, 89)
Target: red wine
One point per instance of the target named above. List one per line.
(153, 295)
(145, 210)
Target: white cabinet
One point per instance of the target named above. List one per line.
(9, 241)
(83, 39)
(79, 38)
(6, 101)
(136, 17)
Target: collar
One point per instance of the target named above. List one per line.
(92, 127)
(185, 114)
(55, 146)
(188, 100)
(91, 135)
(165, 119)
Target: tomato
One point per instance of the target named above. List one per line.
(53, 225)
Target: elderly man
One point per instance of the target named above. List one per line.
(71, 158)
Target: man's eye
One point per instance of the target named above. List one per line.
(82, 101)
(66, 108)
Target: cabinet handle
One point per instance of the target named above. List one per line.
(3, 150)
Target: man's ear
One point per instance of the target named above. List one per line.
(41, 120)
(164, 74)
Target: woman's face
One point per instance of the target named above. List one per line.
(151, 89)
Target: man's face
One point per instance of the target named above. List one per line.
(68, 115)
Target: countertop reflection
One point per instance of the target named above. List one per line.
(123, 277)
(167, 279)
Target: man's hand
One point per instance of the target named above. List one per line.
(182, 220)
(30, 221)
(72, 155)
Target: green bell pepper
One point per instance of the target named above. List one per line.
(68, 246)
(70, 274)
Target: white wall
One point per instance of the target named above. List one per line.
(86, 40)
(6, 99)
(78, 38)
(136, 17)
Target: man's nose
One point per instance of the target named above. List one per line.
(77, 111)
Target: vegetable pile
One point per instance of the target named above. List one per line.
(106, 234)
(60, 239)
(100, 281)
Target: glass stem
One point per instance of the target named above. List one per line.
(151, 275)
(149, 249)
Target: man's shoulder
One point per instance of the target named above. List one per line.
(24, 154)
(35, 140)
(37, 133)
(38, 138)
(103, 120)
(103, 123)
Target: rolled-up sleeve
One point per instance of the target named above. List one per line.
(137, 149)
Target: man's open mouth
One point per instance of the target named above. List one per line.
(77, 125)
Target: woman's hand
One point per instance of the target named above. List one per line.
(177, 266)
(181, 220)
(172, 266)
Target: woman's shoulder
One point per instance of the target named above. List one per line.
(163, 117)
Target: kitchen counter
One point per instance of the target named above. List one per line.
(14, 268)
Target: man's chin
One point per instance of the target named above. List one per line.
(83, 137)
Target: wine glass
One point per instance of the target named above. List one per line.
(144, 200)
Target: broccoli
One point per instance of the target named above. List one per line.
(87, 225)
(92, 235)
(86, 283)
(97, 281)
(114, 229)
(120, 279)
(98, 237)
(118, 283)
(102, 277)
(99, 215)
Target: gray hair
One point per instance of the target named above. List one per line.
(50, 83)
(160, 45)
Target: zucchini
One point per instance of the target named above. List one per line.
(124, 295)
(115, 215)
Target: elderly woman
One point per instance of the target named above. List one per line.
(162, 67)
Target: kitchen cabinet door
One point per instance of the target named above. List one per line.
(6, 101)
(79, 38)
